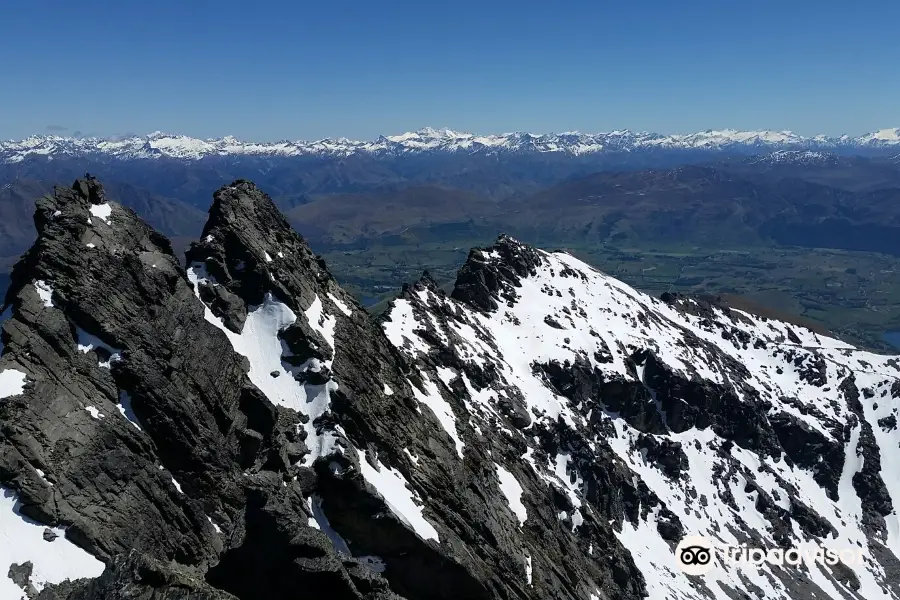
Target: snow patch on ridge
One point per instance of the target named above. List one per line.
(22, 540)
(45, 292)
(433, 399)
(12, 383)
(94, 412)
(340, 304)
(511, 488)
(321, 322)
(216, 527)
(259, 342)
(102, 211)
(401, 326)
(397, 494)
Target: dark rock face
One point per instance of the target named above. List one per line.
(21, 576)
(579, 382)
(697, 403)
(810, 521)
(815, 371)
(252, 466)
(665, 401)
(604, 477)
(307, 555)
(125, 290)
(810, 449)
(888, 423)
(668, 454)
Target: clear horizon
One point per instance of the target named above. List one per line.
(358, 70)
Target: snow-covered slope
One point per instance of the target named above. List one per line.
(429, 140)
(661, 419)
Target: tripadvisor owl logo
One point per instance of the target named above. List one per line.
(695, 555)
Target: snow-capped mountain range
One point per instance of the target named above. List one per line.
(429, 140)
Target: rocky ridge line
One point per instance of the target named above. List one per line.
(263, 432)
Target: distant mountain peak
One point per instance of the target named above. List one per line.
(889, 136)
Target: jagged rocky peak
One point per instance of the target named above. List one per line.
(73, 221)
(246, 244)
(490, 275)
(425, 281)
(94, 343)
(653, 419)
(140, 439)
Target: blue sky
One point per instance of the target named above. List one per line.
(302, 70)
